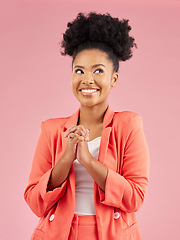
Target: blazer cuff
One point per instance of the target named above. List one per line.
(114, 189)
(53, 195)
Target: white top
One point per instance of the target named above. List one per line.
(84, 183)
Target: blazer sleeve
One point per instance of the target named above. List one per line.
(129, 187)
(39, 200)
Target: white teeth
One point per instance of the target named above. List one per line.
(89, 90)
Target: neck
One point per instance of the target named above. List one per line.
(92, 115)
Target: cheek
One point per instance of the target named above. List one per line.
(105, 83)
(74, 85)
(74, 82)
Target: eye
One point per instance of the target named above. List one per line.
(99, 70)
(79, 71)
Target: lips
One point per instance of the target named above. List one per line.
(89, 91)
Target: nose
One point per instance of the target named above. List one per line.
(87, 78)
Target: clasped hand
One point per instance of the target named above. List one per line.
(77, 143)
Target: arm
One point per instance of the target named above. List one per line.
(95, 168)
(61, 170)
(36, 194)
(129, 189)
(46, 184)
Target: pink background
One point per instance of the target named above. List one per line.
(36, 85)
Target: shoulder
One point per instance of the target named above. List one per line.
(54, 125)
(126, 115)
(127, 120)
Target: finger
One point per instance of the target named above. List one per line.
(70, 129)
(78, 139)
(83, 132)
(72, 135)
(82, 128)
(73, 128)
(80, 132)
(76, 129)
(75, 136)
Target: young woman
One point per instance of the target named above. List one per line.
(90, 171)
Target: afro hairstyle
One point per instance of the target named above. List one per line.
(99, 31)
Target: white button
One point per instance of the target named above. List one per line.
(51, 218)
(116, 215)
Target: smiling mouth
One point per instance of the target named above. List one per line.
(89, 91)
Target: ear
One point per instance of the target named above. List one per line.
(114, 79)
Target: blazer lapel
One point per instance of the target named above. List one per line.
(73, 119)
(105, 135)
(104, 144)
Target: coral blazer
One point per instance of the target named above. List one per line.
(123, 150)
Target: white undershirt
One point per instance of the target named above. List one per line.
(84, 183)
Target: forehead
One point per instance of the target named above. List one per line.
(91, 57)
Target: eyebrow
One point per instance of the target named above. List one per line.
(94, 66)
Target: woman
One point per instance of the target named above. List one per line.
(90, 170)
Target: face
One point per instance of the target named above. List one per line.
(93, 77)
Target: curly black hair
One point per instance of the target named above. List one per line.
(99, 31)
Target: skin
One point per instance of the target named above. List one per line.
(92, 69)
